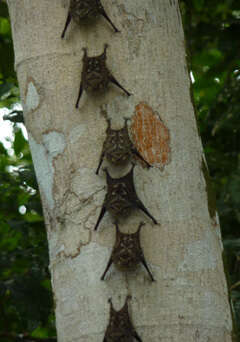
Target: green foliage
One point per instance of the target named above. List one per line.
(9, 93)
(25, 291)
(26, 304)
(212, 30)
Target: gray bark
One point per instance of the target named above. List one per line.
(188, 301)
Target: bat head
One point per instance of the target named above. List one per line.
(95, 72)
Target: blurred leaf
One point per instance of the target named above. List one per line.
(5, 88)
(14, 116)
(198, 4)
(3, 9)
(19, 142)
(4, 26)
(31, 300)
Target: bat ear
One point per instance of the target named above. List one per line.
(109, 178)
(105, 49)
(141, 224)
(125, 121)
(111, 304)
(85, 53)
(104, 54)
(128, 298)
(117, 227)
(106, 171)
(131, 171)
(109, 124)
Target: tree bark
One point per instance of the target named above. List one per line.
(189, 300)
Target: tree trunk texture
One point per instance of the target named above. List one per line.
(189, 300)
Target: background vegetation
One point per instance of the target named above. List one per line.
(212, 30)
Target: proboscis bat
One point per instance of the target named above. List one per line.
(127, 252)
(120, 327)
(121, 197)
(118, 147)
(95, 74)
(80, 10)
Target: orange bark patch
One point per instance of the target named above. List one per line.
(150, 135)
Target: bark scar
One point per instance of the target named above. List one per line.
(151, 136)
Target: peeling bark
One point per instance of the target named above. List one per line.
(188, 301)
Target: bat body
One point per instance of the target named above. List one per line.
(121, 198)
(127, 252)
(120, 328)
(80, 10)
(118, 147)
(95, 75)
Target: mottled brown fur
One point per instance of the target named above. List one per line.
(95, 74)
(127, 252)
(117, 147)
(121, 197)
(80, 10)
(120, 328)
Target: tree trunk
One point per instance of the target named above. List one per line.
(189, 300)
